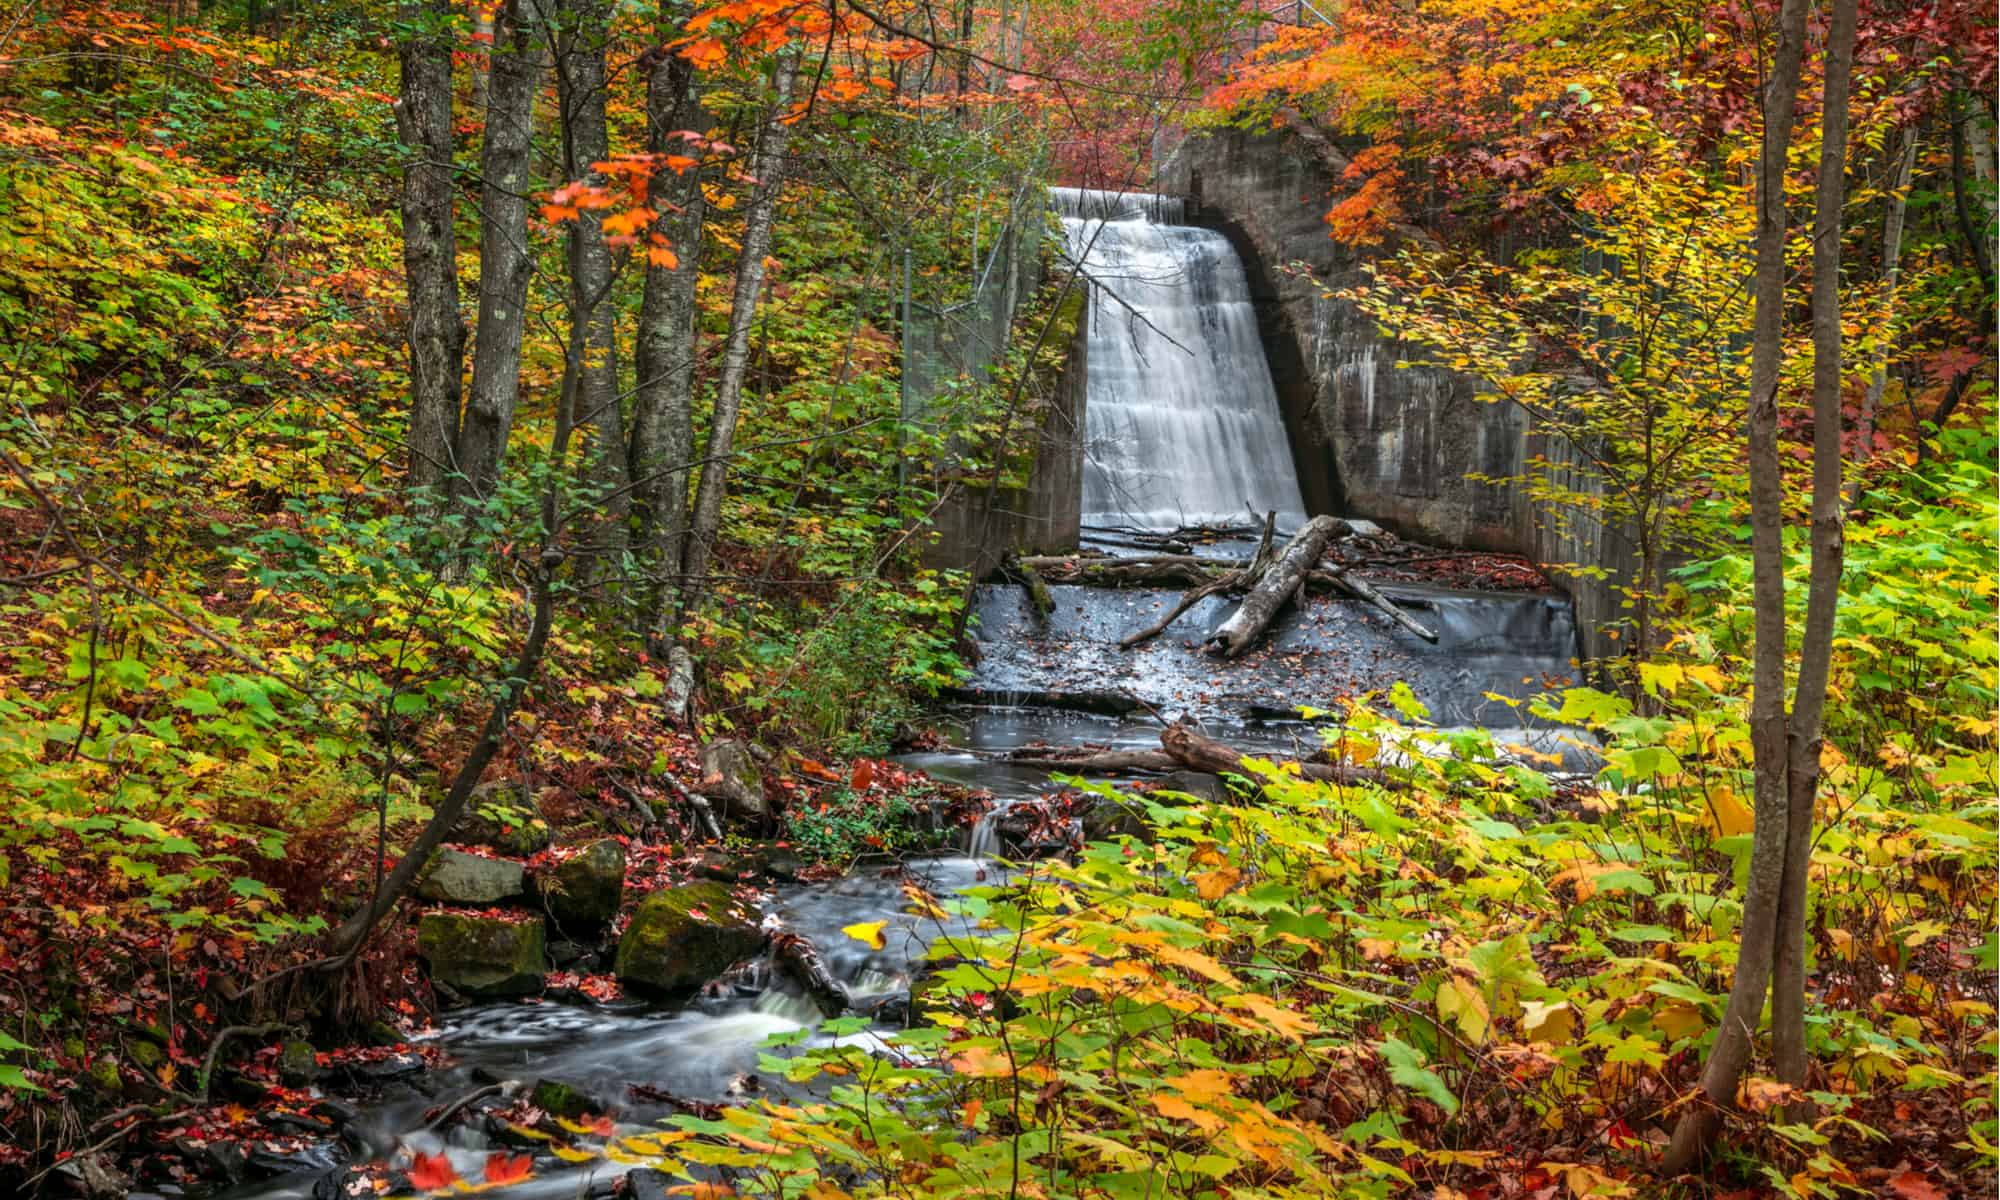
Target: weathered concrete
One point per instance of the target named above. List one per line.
(1043, 517)
(1375, 434)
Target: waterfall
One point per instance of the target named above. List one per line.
(1182, 423)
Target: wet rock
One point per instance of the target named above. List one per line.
(583, 892)
(298, 1064)
(646, 1184)
(456, 877)
(559, 1099)
(266, 1163)
(334, 1112)
(680, 938)
(483, 956)
(502, 816)
(1109, 820)
(730, 776)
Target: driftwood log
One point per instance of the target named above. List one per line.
(1203, 577)
(1181, 749)
(800, 962)
(1274, 585)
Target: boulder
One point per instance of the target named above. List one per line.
(730, 776)
(680, 938)
(559, 1099)
(583, 891)
(456, 877)
(502, 816)
(483, 956)
(298, 1064)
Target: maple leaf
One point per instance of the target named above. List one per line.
(1915, 1185)
(431, 1172)
(869, 932)
(863, 777)
(502, 1167)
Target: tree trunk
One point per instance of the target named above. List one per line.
(1736, 1037)
(581, 92)
(505, 261)
(1280, 581)
(768, 167)
(662, 411)
(1788, 983)
(1892, 274)
(436, 334)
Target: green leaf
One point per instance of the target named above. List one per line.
(1406, 1068)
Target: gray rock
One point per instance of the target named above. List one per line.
(456, 877)
(730, 776)
(583, 892)
(484, 956)
(680, 938)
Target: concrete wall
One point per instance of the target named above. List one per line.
(1044, 517)
(1374, 435)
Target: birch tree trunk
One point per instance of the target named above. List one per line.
(436, 336)
(768, 167)
(1788, 984)
(581, 91)
(1734, 1040)
(662, 412)
(505, 262)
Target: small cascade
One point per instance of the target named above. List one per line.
(1182, 424)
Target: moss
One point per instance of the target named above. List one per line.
(104, 1076)
(680, 938)
(484, 956)
(559, 1099)
(584, 891)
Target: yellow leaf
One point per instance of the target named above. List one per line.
(1552, 1023)
(1461, 1002)
(570, 1154)
(869, 932)
(1726, 816)
(1212, 885)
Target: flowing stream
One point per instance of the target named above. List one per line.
(1183, 426)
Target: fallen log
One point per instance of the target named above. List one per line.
(1228, 581)
(1195, 752)
(1362, 590)
(1277, 584)
(800, 962)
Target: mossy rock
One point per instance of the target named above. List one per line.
(583, 892)
(105, 1076)
(680, 938)
(559, 1099)
(298, 1064)
(484, 956)
(148, 1056)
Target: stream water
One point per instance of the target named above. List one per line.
(1183, 426)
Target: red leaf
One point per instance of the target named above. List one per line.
(431, 1172)
(502, 1167)
(1914, 1185)
(863, 777)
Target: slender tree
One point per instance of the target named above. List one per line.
(436, 336)
(1785, 744)
(662, 411)
(768, 167)
(582, 86)
(505, 260)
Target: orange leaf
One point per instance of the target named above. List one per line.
(502, 1167)
(431, 1172)
(863, 777)
(1913, 1185)
(662, 257)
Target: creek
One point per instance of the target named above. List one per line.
(1183, 426)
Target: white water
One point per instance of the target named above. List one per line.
(1182, 423)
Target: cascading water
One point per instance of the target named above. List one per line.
(1182, 424)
